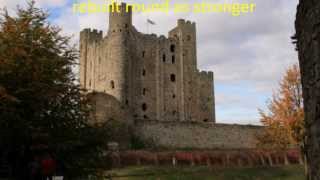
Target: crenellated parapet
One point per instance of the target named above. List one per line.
(206, 75)
(91, 35)
(185, 24)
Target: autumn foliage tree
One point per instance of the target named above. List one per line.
(284, 119)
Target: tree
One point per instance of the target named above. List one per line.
(284, 121)
(307, 39)
(40, 101)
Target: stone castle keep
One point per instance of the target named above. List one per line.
(154, 82)
(155, 77)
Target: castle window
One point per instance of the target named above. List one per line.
(143, 72)
(127, 102)
(145, 117)
(173, 78)
(164, 58)
(144, 106)
(173, 96)
(172, 48)
(120, 30)
(144, 91)
(143, 53)
(173, 59)
(112, 84)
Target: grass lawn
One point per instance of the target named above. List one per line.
(204, 173)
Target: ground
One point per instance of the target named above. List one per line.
(204, 173)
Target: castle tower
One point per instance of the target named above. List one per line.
(120, 17)
(120, 23)
(185, 35)
(88, 39)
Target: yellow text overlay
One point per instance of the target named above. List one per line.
(235, 9)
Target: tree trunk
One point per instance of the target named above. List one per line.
(308, 45)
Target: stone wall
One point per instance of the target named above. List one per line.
(194, 135)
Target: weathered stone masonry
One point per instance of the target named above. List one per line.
(155, 77)
(180, 135)
(154, 82)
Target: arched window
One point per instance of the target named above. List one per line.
(112, 85)
(172, 48)
(143, 53)
(173, 77)
(164, 57)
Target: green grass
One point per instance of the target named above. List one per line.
(204, 173)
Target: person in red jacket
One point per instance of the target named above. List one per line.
(48, 166)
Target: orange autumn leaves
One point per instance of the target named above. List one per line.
(284, 118)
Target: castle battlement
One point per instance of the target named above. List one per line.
(91, 35)
(183, 23)
(206, 74)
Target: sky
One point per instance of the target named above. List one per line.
(248, 54)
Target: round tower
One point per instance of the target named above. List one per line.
(120, 17)
(120, 21)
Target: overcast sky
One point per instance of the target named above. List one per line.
(248, 54)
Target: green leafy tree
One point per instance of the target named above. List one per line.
(40, 101)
